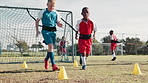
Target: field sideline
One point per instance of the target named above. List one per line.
(99, 70)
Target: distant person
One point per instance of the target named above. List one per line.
(85, 27)
(113, 40)
(63, 48)
(50, 18)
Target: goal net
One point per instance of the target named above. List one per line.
(17, 39)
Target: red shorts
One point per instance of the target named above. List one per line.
(84, 45)
(63, 50)
(113, 46)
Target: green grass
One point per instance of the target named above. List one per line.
(99, 70)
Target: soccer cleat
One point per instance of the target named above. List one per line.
(46, 64)
(113, 59)
(55, 67)
(83, 67)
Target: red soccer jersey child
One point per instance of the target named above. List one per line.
(63, 49)
(114, 42)
(85, 27)
(63, 45)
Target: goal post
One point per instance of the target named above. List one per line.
(17, 28)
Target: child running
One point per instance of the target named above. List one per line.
(49, 18)
(85, 27)
(114, 42)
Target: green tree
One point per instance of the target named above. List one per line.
(97, 48)
(131, 45)
(106, 39)
(39, 45)
(105, 48)
(143, 49)
(147, 42)
(22, 45)
(95, 41)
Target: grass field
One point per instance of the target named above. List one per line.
(99, 70)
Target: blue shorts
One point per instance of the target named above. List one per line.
(49, 37)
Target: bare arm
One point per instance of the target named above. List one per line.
(37, 27)
(94, 35)
(76, 35)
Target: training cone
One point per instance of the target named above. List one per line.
(137, 70)
(62, 74)
(75, 64)
(24, 65)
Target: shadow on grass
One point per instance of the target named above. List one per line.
(48, 79)
(127, 74)
(25, 71)
(111, 64)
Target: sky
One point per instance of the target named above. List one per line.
(128, 18)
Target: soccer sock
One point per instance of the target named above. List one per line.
(80, 58)
(80, 55)
(65, 56)
(83, 60)
(51, 56)
(114, 54)
(47, 57)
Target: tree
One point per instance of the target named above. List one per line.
(144, 49)
(147, 42)
(131, 45)
(37, 46)
(95, 41)
(106, 48)
(97, 49)
(106, 39)
(22, 45)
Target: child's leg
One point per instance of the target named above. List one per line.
(82, 49)
(113, 53)
(46, 61)
(65, 56)
(61, 56)
(51, 56)
(51, 53)
(83, 57)
(50, 38)
(88, 47)
(80, 58)
(113, 47)
(114, 56)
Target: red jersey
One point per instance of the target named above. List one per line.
(113, 45)
(85, 28)
(62, 44)
(113, 37)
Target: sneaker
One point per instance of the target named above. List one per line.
(83, 67)
(55, 67)
(46, 64)
(113, 59)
